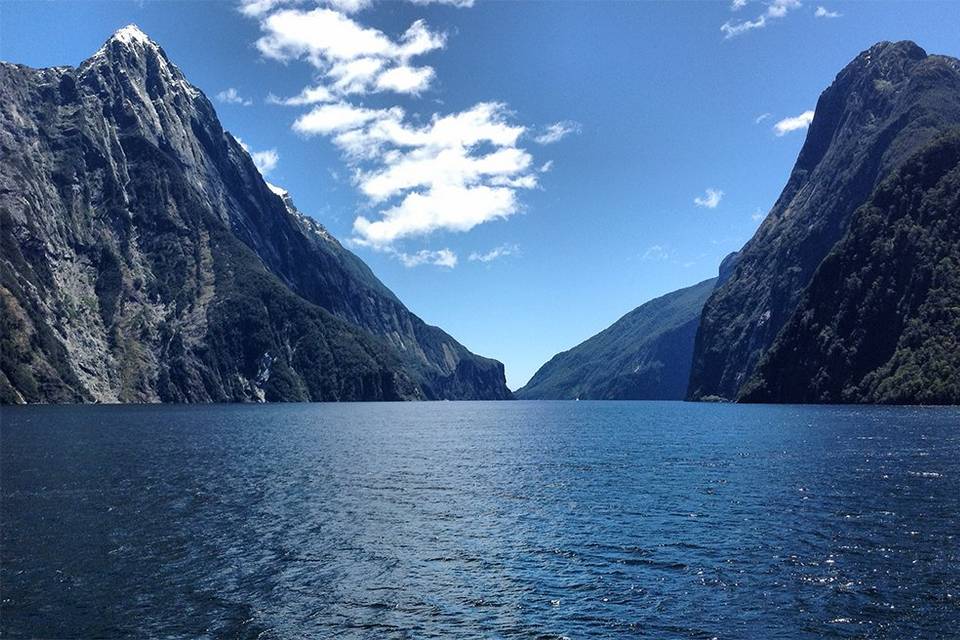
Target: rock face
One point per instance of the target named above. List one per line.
(645, 355)
(145, 259)
(885, 106)
(880, 322)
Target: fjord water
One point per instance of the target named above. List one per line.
(512, 519)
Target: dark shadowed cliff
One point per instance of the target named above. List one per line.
(887, 104)
(880, 322)
(144, 258)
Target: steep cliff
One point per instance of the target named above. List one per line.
(145, 258)
(880, 322)
(882, 108)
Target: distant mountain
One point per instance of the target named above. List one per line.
(645, 355)
(145, 259)
(880, 322)
(881, 110)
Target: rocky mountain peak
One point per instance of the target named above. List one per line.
(131, 34)
(129, 59)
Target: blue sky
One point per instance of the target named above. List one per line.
(587, 156)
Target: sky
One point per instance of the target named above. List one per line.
(521, 174)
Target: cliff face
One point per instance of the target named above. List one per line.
(145, 259)
(880, 322)
(645, 355)
(888, 103)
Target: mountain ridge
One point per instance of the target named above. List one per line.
(135, 226)
(882, 107)
(644, 355)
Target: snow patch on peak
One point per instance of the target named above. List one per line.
(130, 34)
(277, 190)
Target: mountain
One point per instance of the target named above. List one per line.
(885, 106)
(880, 322)
(146, 259)
(645, 355)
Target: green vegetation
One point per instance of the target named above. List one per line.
(645, 355)
(880, 321)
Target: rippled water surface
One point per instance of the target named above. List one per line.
(512, 519)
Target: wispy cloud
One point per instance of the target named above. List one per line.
(256, 8)
(354, 59)
(823, 12)
(757, 214)
(499, 252)
(439, 258)
(655, 253)
(557, 132)
(736, 5)
(232, 96)
(787, 125)
(710, 199)
(266, 161)
(775, 9)
(760, 118)
(309, 95)
(462, 4)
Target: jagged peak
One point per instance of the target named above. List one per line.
(907, 48)
(130, 34)
(896, 57)
(130, 39)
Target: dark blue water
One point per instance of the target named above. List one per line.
(522, 519)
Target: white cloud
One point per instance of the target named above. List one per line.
(255, 8)
(760, 118)
(779, 8)
(439, 257)
(309, 95)
(456, 172)
(341, 116)
(710, 199)
(547, 166)
(557, 131)
(757, 214)
(732, 29)
(448, 173)
(775, 9)
(349, 6)
(232, 96)
(404, 79)
(655, 253)
(736, 5)
(787, 125)
(498, 252)
(460, 4)
(356, 59)
(453, 208)
(265, 161)
(823, 12)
